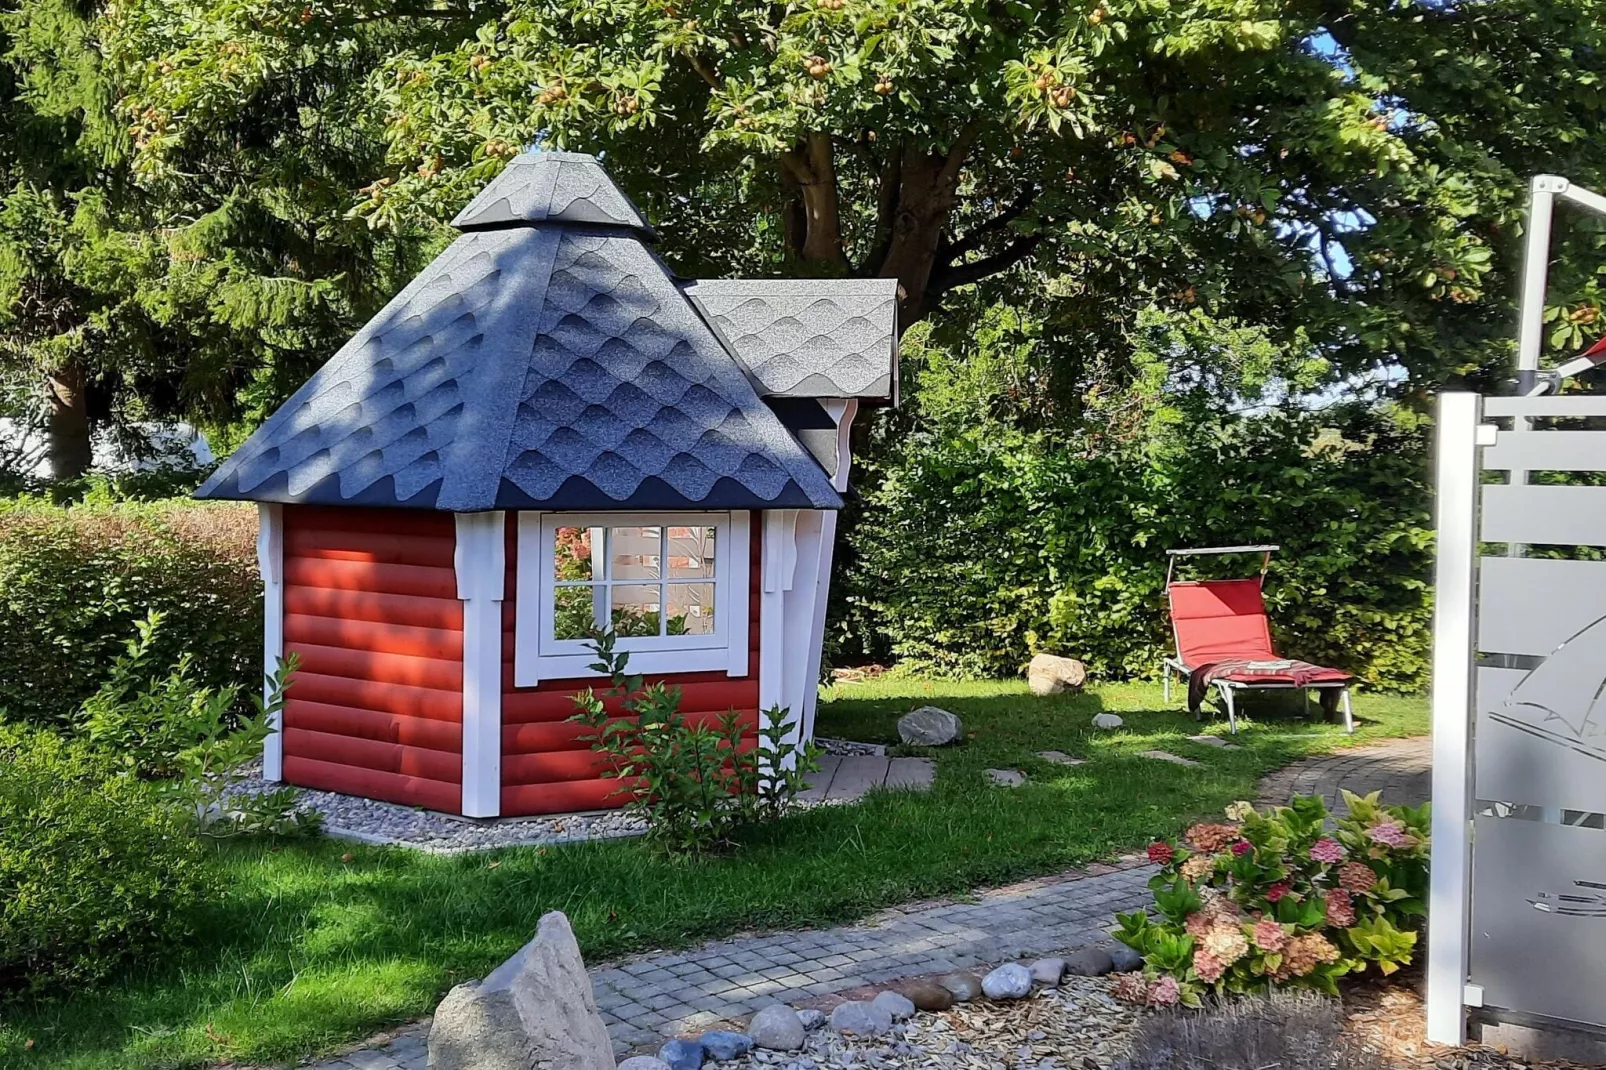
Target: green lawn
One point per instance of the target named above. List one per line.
(321, 943)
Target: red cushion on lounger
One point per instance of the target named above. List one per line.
(1217, 620)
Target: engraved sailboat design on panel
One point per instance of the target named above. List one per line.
(1559, 700)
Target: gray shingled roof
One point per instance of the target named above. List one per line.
(538, 364)
(563, 187)
(810, 337)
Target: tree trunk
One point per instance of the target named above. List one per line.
(812, 167)
(67, 445)
(924, 205)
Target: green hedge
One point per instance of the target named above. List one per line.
(74, 582)
(978, 546)
(94, 869)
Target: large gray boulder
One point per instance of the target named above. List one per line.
(930, 727)
(536, 1011)
(1049, 675)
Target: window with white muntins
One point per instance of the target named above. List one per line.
(671, 586)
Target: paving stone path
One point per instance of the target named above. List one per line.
(649, 997)
(843, 778)
(1402, 769)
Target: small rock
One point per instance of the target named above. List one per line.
(1089, 962)
(928, 995)
(1009, 981)
(895, 1004)
(643, 1062)
(722, 1045)
(965, 986)
(930, 726)
(778, 1028)
(811, 1019)
(1059, 757)
(1048, 971)
(1124, 960)
(1049, 675)
(682, 1054)
(1107, 720)
(860, 1019)
(1213, 741)
(1006, 778)
(1167, 756)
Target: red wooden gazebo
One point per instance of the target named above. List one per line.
(545, 433)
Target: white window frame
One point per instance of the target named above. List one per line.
(538, 655)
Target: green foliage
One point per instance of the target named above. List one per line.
(985, 539)
(1272, 899)
(695, 785)
(94, 869)
(1355, 175)
(74, 583)
(193, 740)
(209, 771)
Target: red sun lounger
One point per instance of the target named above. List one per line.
(1223, 640)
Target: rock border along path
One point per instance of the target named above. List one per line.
(648, 997)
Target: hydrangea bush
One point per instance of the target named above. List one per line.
(1280, 898)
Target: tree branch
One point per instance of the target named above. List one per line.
(951, 251)
(948, 177)
(704, 71)
(886, 208)
(957, 275)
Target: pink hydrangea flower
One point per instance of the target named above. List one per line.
(1161, 852)
(1327, 850)
(1242, 847)
(1340, 911)
(1356, 877)
(1207, 966)
(1277, 891)
(1269, 936)
(1198, 924)
(1165, 992)
(1389, 833)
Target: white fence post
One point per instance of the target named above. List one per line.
(1454, 619)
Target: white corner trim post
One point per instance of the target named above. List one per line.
(778, 562)
(843, 413)
(481, 563)
(1454, 622)
(270, 563)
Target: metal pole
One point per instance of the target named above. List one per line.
(1449, 895)
(1535, 271)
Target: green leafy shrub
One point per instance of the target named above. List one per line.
(694, 785)
(978, 546)
(94, 868)
(75, 582)
(1274, 899)
(192, 740)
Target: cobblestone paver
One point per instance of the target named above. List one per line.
(651, 996)
(1402, 769)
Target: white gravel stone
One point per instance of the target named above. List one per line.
(1056, 1030)
(349, 817)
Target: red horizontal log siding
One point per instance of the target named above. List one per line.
(371, 609)
(547, 767)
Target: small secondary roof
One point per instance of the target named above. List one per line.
(547, 359)
(810, 337)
